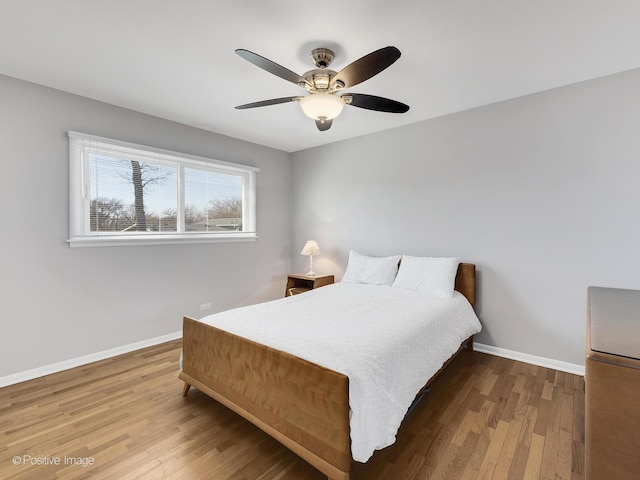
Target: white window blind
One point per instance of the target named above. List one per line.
(127, 194)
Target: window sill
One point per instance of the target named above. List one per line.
(117, 240)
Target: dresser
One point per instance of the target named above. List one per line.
(612, 385)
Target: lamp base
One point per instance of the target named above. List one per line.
(311, 273)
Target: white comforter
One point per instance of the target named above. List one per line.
(388, 341)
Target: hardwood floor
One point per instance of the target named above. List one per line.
(125, 418)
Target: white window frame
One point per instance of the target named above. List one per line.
(80, 202)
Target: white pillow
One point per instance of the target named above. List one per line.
(371, 270)
(428, 274)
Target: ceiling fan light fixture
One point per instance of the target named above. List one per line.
(321, 106)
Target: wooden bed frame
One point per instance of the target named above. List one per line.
(302, 405)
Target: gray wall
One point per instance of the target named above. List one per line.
(60, 303)
(541, 192)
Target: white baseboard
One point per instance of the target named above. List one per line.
(532, 359)
(84, 360)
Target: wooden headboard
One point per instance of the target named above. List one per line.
(466, 281)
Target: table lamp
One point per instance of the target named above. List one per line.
(310, 248)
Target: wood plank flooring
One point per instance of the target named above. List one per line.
(124, 418)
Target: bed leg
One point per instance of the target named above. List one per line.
(470, 344)
(185, 389)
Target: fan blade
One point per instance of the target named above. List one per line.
(323, 125)
(371, 102)
(271, 67)
(366, 67)
(265, 103)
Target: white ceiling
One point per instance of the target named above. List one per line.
(175, 59)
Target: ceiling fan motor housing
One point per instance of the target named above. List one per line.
(319, 80)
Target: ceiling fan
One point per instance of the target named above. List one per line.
(322, 102)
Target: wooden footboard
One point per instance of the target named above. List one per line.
(302, 405)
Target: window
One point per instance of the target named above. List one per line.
(126, 194)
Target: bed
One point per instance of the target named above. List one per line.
(306, 405)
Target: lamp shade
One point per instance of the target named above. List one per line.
(310, 248)
(321, 106)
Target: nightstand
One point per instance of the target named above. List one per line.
(298, 283)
